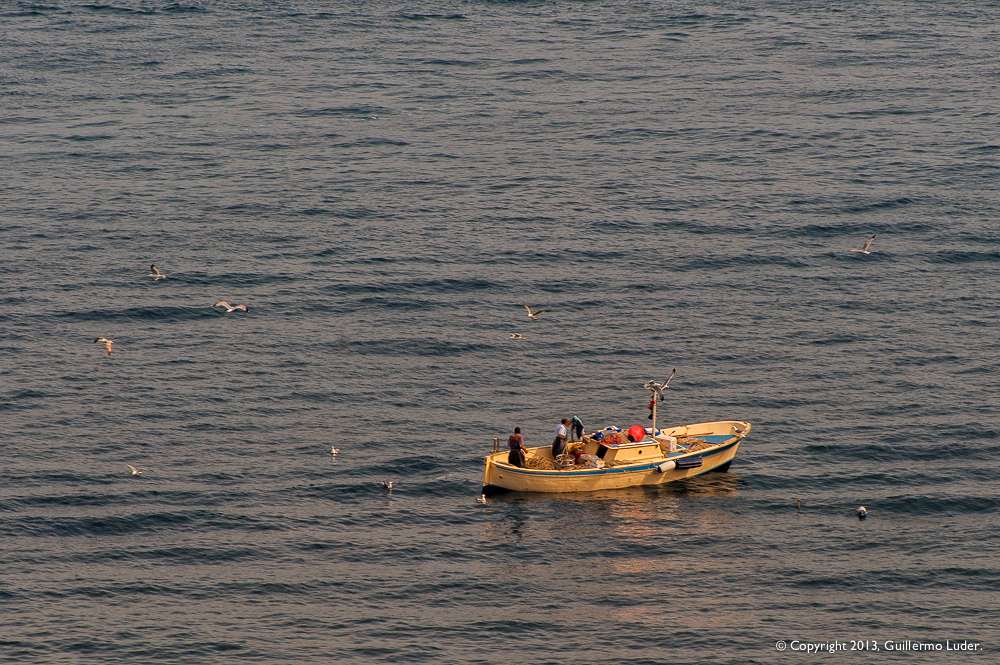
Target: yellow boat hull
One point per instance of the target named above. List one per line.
(500, 476)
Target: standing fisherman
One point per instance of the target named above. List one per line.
(517, 449)
(559, 444)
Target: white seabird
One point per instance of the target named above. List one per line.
(388, 484)
(334, 451)
(864, 249)
(230, 308)
(534, 315)
(137, 472)
(516, 336)
(481, 498)
(107, 343)
(658, 387)
(155, 274)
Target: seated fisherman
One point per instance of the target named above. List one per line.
(517, 449)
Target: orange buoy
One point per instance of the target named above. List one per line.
(637, 432)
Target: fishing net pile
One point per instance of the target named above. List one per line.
(694, 445)
(613, 439)
(539, 463)
(565, 462)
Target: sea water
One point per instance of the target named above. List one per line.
(384, 184)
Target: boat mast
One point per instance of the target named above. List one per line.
(652, 433)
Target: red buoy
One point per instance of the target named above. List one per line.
(637, 432)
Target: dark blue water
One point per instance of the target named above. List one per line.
(384, 184)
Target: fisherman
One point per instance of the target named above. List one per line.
(576, 429)
(517, 449)
(559, 444)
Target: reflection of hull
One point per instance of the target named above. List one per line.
(649, 462)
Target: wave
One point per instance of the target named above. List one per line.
(161, 313)
(960, 257)
(428, 286)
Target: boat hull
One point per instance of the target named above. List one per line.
(500, 476)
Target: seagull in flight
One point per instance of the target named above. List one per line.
(155, 274)
(864, 249)
(107, 343)
(516, 336)
(658, 387)
(137, 472)
(388, 484)
(230, 308)
(534, 315)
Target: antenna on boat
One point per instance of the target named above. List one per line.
(656, 395)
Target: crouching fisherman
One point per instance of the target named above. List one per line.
(517, 449)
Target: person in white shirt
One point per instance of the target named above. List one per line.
(559, 445)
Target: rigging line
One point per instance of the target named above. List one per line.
(830, 505)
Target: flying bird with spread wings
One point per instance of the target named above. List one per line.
(864, 249)
(230, 308)
(534, 315)
(658, 388)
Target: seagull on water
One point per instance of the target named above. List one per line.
(334, 450)
(137, 472)
(107, 343)
(516, 336)
(388, 484)
(658, 387)
(534, 315)
(155, 274)
(481, 498)
(230, 308)
(864, 249)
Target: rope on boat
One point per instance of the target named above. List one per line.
(830, 505)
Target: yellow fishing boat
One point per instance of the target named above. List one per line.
(612, 458)
(673, 454)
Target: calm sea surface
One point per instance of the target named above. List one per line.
(384, 184)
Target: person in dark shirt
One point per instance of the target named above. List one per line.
(576, 429)
(517, 449)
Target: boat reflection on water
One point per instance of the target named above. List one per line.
(633, 511)
(711, 485)
(661, 551)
